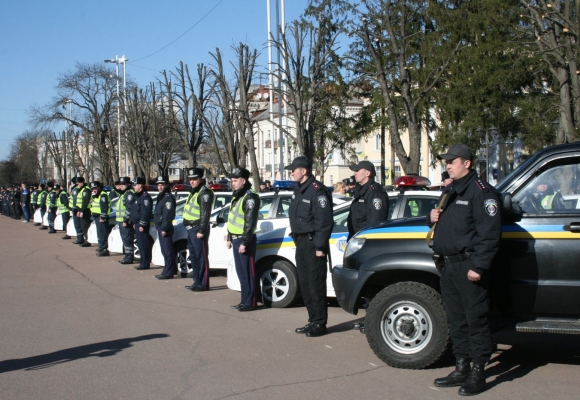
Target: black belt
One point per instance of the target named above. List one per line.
(302, 234)
(235, 236)
(192, 223)
(455, 259)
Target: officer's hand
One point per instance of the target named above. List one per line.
(140, 229)
(101, 220)
(435, 215)
(80, 215)
(320, 253)
(473, 276)
(242, 249)
(124, 224)
(163, 233)
(229, 245)
(199, 235)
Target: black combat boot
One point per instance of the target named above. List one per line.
(476, 381)
(457, 377)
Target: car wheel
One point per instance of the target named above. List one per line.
(279, 284)
(183, 267)
(406, 325)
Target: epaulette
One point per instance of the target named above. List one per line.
(373, 187)
(481, 185)
(203, 187)
(248, 191)
(316, 185)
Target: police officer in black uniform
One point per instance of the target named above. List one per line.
(370, 203)
(163, 218)
(140, 216)
(126, 229)
(196, 213)
(100, 209)
(311, 224)
(51, 206)
(83, 207)
(466, 239)
(242, 223)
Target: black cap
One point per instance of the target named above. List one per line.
(42, 185)
(57, 186)
(349, 181)
(139, 180)
(74, 179)
(50, 184)
(240, 173)
(457, 150)
(299, 162)
(194, 173)
(96, 184)
(80, 179)
(369, 166)
(125, 181)
(163, 179)
(117, 183)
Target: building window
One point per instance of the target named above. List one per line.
(397, 171)
(377, 142)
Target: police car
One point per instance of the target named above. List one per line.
(275, 255)
(534, 279)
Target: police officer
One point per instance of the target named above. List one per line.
(242, 222)
(140, 214)
(74, 191)
(51, 206)
(163, 218)
(349, 183)
(370, 203)
(62, 202)
(311, 224)
(123, 217)
(83, 204)
(41, 204)
(33, 201)
(100, 210)
(466, 239)
(196, 213)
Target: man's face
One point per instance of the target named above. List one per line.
(161, 187)
(138, 188)
(542, 187)
(194, 182)
(458, 167)
(361, 176)
(298, 174)
(80, 184)
(238, 183)
(123, 187)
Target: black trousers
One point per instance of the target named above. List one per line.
(467, 307)
(65, 220)
(102, 231)
(128, 238)
(145, 245)
(198, 257)
(312, 280)
(246, 270)
(85, 223)
(51, 217)
(168, 251)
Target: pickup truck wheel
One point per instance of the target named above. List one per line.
(406, 325)
(279, 284)
(183, 267)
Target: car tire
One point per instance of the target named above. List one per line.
(279, 284)
(183, 268)
(406, 325)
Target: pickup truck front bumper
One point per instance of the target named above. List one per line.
(348, 284)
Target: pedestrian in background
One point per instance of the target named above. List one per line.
(466, 240)
(163, 217)
(196, 213)
(311, 224)
(242, 223)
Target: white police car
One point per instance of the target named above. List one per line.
(275, 255)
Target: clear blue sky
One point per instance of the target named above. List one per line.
(40, 39)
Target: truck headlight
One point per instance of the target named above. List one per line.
(354, 245)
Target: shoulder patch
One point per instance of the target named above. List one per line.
(378, 203)
(146, 202)
(205, 198)
(322, 201)
(168, 205)
(103, 199)
(250, 203)
(85, 193)
(490, 207)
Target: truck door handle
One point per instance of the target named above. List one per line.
(573, 227)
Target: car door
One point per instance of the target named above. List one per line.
(219, 255)
(536, 271)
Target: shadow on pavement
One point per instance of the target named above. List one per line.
(102, 349)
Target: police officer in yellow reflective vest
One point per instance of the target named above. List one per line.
(122, 217)
(100, 210)
(34, 201)
(41, 203)
(51, 206)
(62, 203)
(196, 220)
(83, 204)
(242, 222)
(72, 199)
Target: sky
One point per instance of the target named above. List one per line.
(40, 40)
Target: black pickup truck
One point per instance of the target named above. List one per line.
(535, 276)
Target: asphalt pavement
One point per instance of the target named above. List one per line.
(75, 326)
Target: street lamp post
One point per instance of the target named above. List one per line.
(67, 130)
(117, 61)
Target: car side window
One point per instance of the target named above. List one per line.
(419, 206)
(392, 202)
(283, 207)
(265, 204)
(340, 221)
(179, 210)
(553, 189)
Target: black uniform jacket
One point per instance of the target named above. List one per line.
(35, 197)
(128, 200)
(470, 222)
(164, 211)
(141, 209)
(52, 196)
(370, 206)
(205, 203)
(251, 208)
(311, 212)
(74, 193)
